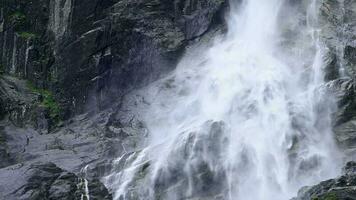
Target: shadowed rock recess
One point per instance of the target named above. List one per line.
(69, 68)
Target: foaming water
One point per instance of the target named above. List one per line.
(236, 121)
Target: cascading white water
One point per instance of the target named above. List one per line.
(238, 121)
(84, 184)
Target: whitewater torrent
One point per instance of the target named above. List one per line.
(237, 121)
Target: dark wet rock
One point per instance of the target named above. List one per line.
(82, 140)
(5, 157)
(338, 29)
(337, 32)
(341, 188)
(44, 180)
(16, 101)
(23, 105)
(350, 168)
(91, 141)
(344, 118)
(87, 141)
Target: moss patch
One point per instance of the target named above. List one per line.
(17, 16)
(330, 196)
(26, 35)
(48, 101)
(327, 196)
(18, 19)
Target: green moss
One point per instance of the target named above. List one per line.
(32, 87)
(328, 196)
(17, 17)
(26, 35)
(48, 101)
(18, 20)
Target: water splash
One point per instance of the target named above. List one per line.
(238, 121)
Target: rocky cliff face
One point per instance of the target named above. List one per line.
(59, 58)
(102, 47)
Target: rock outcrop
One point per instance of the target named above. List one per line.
(341, 188)
(82, 147)
(46, 181)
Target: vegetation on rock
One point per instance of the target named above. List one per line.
(18, 19)
(48, 101)
(328, 196)
(26, 35)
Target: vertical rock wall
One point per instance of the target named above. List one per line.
(97, 50)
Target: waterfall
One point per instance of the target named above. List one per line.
(243, 119)
(83, 184)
